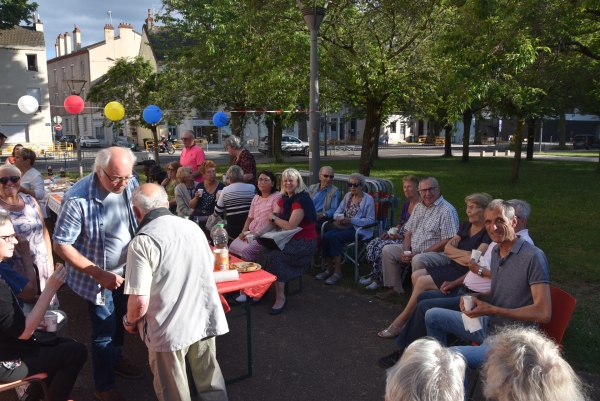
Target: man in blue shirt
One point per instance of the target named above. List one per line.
(94, 227)
(325, 196)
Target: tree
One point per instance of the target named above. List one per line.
(12, 12)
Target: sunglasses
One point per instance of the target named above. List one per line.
(327, 176)
(13, 179)
(355, 185)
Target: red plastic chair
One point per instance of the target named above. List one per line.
(563, 305)
(29, 379)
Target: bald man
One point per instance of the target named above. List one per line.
(94, 227)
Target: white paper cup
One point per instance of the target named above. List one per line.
(250, 239)
(475, 255)
(407, 252)
(393, 230)
(247, 232)
(200, 192)
(224, 177)
(468, 302)
(51, 320)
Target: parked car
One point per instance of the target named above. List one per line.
(586, 141)
(67, 138)
(289, 144)
(88, 142)
(124, 142)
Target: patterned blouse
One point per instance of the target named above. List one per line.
(247, 163)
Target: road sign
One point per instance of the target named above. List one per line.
(58, 127)
(57, 119)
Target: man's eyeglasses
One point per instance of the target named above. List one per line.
(354, 184)
(424, 191)
(9, 238)
(327, 176)
(116, 180)
(14, 179)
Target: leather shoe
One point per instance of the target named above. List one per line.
(278, 310)
(255, 301)
(109, 395)
(387, 362)
(391, 294)
(125, 369)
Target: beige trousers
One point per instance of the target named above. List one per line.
(391, 259)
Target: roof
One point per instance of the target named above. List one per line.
(159, 39)
(22, 36)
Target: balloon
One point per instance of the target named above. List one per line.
(28, 104)
(114, 111)
(74, 104)
(220, 119)
(152, 114)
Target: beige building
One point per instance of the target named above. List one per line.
(76, 68)
(24, 72)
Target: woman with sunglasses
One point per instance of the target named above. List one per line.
(20, 353)
(356, 209)
(28, 220)
(169, 184)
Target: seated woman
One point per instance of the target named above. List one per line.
(170, 183)
(20, 354)
(235, 200)
(374, 280)
(472, 235)
(11, 159)
(262, 204)
(356, 209)
(185, 192)
(207, 193)
(294, 209)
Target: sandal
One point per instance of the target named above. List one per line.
(333, 279)
(390, 332)
(323, 275)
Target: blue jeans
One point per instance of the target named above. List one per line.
(334, 240)
(108, 335)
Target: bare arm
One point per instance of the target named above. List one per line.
(248, 177)
(46, 239)
(26, 269)
(460, 256)
(295, 219)
(246, 226)
(137, 306)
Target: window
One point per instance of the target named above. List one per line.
(73, 70)
(66, 125)
(84, 124)
(56, 99)
(55, 76)
(64, 96)
(83, 94)
(64, 73)
(99, 133)
(35, 92)
(82, 69)
(32, 62)
(393, 128)
(403, 130)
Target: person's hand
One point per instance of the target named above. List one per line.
(270, 216)
(319, 215)
(57, 279)
(473, 267)
(448, 286)
(131, 329)
(385, 236)
(23, 245)
(396, 237)
(407, 258)
(242, 236)
(109, 280)
(197, 194)
(480, 308)
(454, 242)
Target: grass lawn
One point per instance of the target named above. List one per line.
(572, 153)
(565, 222)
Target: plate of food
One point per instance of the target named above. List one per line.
(246, 267)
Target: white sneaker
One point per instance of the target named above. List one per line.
(373, 286)
(241, 298)
(366, 280)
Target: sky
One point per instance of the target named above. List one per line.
(90, 17)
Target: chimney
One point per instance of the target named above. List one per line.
(149, 20)
(56, 48)
(76, 39)
(67, 43)
(37, 24)
(61, 46)
(109, 33)
(126, 34)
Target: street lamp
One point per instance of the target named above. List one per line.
(314, 16)
(75, 87)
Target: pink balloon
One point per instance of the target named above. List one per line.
(74, 104)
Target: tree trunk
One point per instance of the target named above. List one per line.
(531, 123)
(598, 166)
(271, 149)
(518, 143)
(237, 124)
(277, 134)
(448, 140)
(370, 136)
(375, 151)
(479, 122)
(562, 131)
(155, 139)
(467, 117)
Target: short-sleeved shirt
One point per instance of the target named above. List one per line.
(430, 225)
(308, 231)
(192, 157)
(467, 243)
(247, 163)
(512, 278)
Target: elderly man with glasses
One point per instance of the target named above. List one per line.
(324, 194)
(94, 227)
(432, 224)
(192, 155)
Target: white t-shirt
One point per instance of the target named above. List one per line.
(33, 180)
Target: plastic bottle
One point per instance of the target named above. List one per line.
(220, 239)
(63, 173)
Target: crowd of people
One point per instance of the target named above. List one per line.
(125, 249)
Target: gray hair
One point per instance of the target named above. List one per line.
(326, 167)
(4, 218)
(509, 210)
(357, 177)
(294, 175)
(104, 155)
(427, 371)
(435, 182)
(148, 197)
(235, 174)
(12, 169)
(233, 141)
(524, 365)
(481, 199)
(522, 208)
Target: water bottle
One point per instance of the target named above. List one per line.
(220, 239)
(63, 173)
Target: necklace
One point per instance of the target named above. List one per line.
(11, 204)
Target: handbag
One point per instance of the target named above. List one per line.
(339, 226)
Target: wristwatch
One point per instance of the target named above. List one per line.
(273, 219)
(480, 272)
(127, 322)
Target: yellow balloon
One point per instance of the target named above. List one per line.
(114, 111)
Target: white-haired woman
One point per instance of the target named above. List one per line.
(242, 158)
(427, 371)
(294, 209)
(28, 221)
(235, 201)
(524, 365)
(355, 210)
(185, 191)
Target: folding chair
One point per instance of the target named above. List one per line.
(30, 379)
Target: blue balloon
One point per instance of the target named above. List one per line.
(220, 119)
(152, 114)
